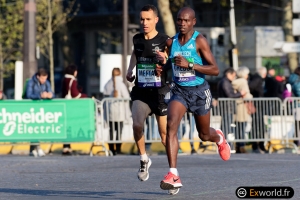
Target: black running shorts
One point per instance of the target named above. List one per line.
(154, 98)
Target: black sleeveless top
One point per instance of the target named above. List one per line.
(146, 60)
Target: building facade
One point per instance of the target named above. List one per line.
(97, 29)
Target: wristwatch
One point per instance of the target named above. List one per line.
(191, 65)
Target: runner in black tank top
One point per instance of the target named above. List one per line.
(149, 91)
(145, 52)
(149, 88)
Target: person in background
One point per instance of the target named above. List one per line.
(2, 95)
(256, 86)
(118, 110)
(225, 90)
(70, 84)
(242, 115)
(70, 90)
(38, 87)
(294, 81)
(272, 88)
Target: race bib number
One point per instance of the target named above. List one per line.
(183, 74)
(146, 76)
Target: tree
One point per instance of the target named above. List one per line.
(167, 17)
(287, 28)
(49, 18)
(11, 36)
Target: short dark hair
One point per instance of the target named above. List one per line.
(71, 69)
(229, 70)
(149, 7)
(42, 72)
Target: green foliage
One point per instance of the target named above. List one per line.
(12, 25)
(11, 34)
(59, 18)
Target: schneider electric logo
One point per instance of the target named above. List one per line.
(33, 121)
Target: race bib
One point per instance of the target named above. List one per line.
(147, 77)
(183, 74)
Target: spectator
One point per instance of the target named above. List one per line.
(2, 95)
(70, 90)
(256, 86)
(38, 87)
(225, 90)
(272, 87)
(118, 111)
(242, 115)
(294, 80)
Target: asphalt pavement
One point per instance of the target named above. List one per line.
(84, 177)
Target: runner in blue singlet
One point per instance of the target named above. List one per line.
(190, 91)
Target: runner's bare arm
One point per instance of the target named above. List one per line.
(162, 56)
(211, 67)
(132, 65)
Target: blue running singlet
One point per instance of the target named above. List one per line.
(185, 76)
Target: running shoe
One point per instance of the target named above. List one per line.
(173, 191)
(171, 181)
(143, 173)
(223, 148)
(194, 152)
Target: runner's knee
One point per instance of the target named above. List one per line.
(137, 129)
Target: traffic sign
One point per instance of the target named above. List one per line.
(287, 47)
(296, 27)
(296, 6)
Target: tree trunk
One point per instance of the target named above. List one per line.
(50, 34)
(167, 18)
(287, 28)
(1, 68)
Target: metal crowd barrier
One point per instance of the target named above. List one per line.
(267, 121)
(241, 120)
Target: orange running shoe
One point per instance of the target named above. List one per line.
(223, 148)
(171, 181)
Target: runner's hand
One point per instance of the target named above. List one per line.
(129, 76)
(160, 56)
(180, 61)
(158, 70)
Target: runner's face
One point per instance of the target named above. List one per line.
(185, 22)
(148, 21)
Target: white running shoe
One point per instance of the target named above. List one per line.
(41, 153)
(143, 173)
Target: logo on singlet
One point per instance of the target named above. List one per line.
(183, 79)
(190, 46)
(148, 84)
(155, 44)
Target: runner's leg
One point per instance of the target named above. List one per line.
(140, 112)
(162, 127)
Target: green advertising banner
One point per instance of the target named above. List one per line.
(56, 120)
